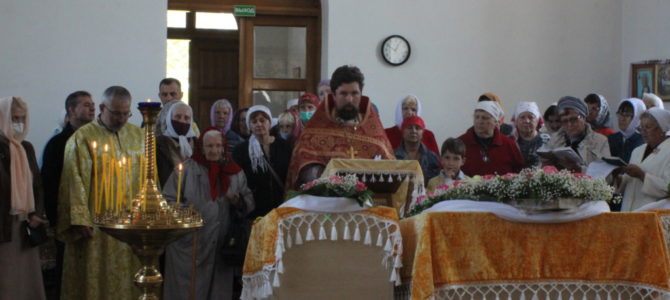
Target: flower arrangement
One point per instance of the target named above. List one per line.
(543, 185)
(336, 186)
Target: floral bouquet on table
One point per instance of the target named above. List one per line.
(541, 186)
(336, 186)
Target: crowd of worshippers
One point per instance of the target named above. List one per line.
(239, 164)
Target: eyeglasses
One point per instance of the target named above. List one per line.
(624, 115)
(570, 120)
(118, 114)
(646, 128)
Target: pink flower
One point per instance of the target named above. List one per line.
(360, 186)
(442, 187)
(489, 176)
(550, 170)
(509, 176)
(580, 175)
(420, 199)
(457, 183)
(308, 185)
(336, 179)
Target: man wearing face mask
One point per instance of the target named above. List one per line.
(80, 111)
(97, 266)
(345, 126)
(176, 145)
(307, 104)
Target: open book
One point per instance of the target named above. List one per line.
(615, 161)
(560, 154)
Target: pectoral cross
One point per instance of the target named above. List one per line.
(352, 153)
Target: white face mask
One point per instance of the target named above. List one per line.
(18, 128)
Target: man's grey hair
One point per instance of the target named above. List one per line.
(115, 92)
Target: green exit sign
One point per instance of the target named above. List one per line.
(244, 10)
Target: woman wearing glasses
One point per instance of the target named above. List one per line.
(628, 138)
(577, 134)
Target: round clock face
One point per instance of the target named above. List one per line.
(395, 50)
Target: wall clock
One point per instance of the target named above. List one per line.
(395, 50)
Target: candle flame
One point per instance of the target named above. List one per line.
(180, 167)
(148, 99)
(94, 144)
(123, 160)
(105, 148)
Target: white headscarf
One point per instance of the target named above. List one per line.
(255, 150)
(662, 117)
(23, 200)
(638, 108)
(530, 107)
(653, 98)
(184, 146)
(398, 109)
(490, 107)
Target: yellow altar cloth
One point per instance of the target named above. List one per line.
(287, 227)
(371, 171)
(454, 254)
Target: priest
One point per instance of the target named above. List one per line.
(344, 126)
(97, 266)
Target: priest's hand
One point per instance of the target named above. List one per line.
(86, 231)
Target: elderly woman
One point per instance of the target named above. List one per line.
(217, 188)
(409, 106)
(21, 204)
(323, 89)
(488, 151)
(288, 127)
(527, 120)
(239, 124)
(651, 100)
(176, 143)
(265, 161)
(599, 114)
(411, 147)
(577, 134)
(628, 138)
(506, 129)
(221, 117)
(647, 175)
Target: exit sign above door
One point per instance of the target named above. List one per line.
(244, 10)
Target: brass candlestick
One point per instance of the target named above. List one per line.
(150, 223)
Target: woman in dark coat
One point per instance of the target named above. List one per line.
(265, 161)
(21, 204)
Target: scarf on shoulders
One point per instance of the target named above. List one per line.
(22, 198)
(219, 172)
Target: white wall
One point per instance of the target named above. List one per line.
(52, 48)
(522, 50)
(645, 35)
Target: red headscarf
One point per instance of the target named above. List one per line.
(221, 170)
(413, 120)
(308, 97)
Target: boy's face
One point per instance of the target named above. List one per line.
(451, 163)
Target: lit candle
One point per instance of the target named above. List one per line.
(105, 179)
(119, 185)
(94, 145)
(179, 172)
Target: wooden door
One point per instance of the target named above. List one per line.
(214, 74)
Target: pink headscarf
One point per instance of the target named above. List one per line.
(23, 200)
(212, 113)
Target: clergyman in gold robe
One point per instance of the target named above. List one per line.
(97, 266)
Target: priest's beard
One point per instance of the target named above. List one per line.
(347, 112)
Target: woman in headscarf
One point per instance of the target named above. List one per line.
(487, 150)
(651, 100)
(647, 175)
(307, 104)
(627, 138)
(239, 124)
(176, 144)
(527, 120)
(221, 116)
(599, 114)
(265, 160)
(506, 129)
(577, 134)
(323, 89)
(216, 187)
(409, 106)
(21, 204)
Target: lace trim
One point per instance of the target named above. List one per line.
(569, 290)
(257, 285)
(369, 176)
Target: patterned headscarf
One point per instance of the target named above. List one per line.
(603, 118)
